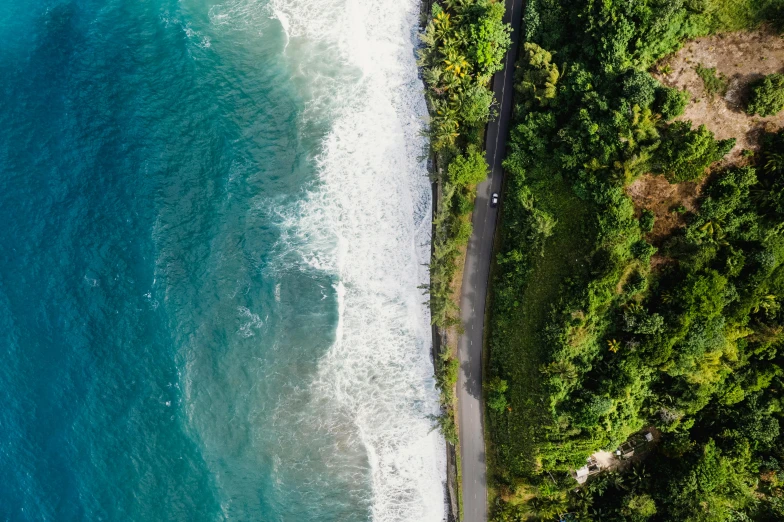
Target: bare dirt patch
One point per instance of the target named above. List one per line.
(667, 202)
(742, 58)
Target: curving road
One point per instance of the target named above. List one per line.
(474, 292)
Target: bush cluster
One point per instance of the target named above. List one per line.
(767, 96)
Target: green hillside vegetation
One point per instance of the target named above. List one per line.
(589, 343)
(464, 45)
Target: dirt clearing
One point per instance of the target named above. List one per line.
(740, 58)
(668, 202)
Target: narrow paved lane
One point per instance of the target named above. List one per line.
(474, 293)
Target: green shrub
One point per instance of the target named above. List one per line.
(767, 96)
(636, 283)
(446, 423)
(647, 220)
(489, 36)
(643, 250)
(539, 77)
(464, 204)
(714, 83)
(671, 103)
(639, 88)
(466, 170)
(450, 371)
(641, 505)
(476, 105)
(685, 154)
(496, 394)
(463, 232)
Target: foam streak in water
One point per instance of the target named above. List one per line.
(370, 216)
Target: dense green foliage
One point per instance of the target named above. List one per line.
(539, 78)
(670, 103)
(588, 343)
(767, 96)
(685, 154)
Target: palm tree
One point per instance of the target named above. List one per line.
(442, 25)
(775, 163)
(455, 62)
(594, 165)
(548, 508)
(638, 476)
(432, 76)
(444, 132)
(457, 38)
(765, 333)
(616, 480)
(582, 500)
(562, 368)
(714, 232)
(444, 124)
(635, 308)
(761, 190)
(628, 169)
(456, 5)
(599, 514)
(644, 125)
(766, 302)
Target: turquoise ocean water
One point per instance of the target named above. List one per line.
(213, 222)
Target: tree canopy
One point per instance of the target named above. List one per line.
(767, 96)
(609, 316)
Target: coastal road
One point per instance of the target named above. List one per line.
(474, 292)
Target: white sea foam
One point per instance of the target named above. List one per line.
(368, 223)
(250, 322)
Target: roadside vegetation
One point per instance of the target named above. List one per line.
(464, 45)
(599, 329)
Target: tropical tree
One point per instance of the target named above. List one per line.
(767, 96)
(775, 163)
(539, 78)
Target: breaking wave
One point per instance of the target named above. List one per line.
(367, 223)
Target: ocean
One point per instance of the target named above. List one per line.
(214, 222)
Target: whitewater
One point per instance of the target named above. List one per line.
(367, 221)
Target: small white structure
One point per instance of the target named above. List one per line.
(581, 475)
(591, 468)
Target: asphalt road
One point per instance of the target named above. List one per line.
(474, 292)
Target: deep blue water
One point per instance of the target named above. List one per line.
(150, 329)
